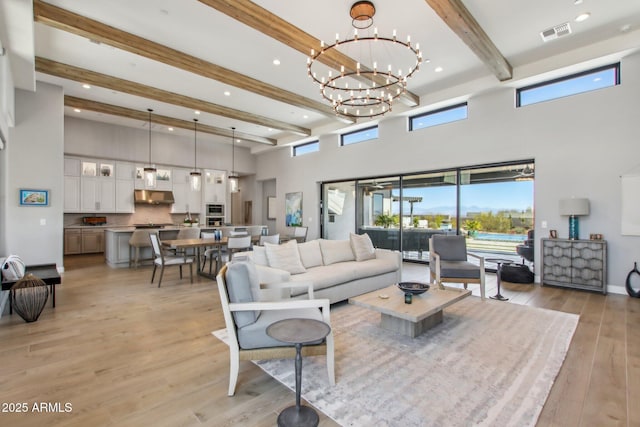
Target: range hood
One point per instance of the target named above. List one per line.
(153, 197)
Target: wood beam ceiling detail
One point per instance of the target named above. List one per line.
(277, 28)
(132, 88)
(76, 24)
(459, 19)
(114, 110)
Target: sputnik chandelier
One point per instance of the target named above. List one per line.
(348, 71)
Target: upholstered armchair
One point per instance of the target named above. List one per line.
(249, 309)
(448, 258)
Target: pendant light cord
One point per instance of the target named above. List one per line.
(195, 142)
(149, 110)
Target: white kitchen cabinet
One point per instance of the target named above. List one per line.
(125, 176)
(97, 186)
(186, 199)
(215, 186)
(164, 180)
(71, 185)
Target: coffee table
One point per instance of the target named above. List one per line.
(413, 319)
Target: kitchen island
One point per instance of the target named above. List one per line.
(117, 240)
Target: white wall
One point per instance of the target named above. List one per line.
(581, 146)
(103, 140)
(35, 161)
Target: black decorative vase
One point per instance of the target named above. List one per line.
(632, 292)
(28, 297)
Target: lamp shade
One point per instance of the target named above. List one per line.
(574, 206)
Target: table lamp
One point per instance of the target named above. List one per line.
(574, 207)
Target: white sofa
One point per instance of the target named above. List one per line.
(338, 269)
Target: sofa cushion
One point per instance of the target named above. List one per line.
(285, 257)
(310, 254)
(362, 246)
(259, 256)
(243, 285)
(450, 248)
(255, 334)
(334, 251)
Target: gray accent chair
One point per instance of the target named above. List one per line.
(448, 262)
(249, 309)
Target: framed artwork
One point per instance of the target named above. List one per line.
(293, 209)
(34, 197)
(553, 234)
(271, 208)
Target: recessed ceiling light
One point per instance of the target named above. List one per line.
(77, 110)
(196, 112)
(276, 61)
(227, 93)
(170, 129)
(438, 69)
(625, 28)
(582, 17)
(86, 86)
(577, 2)
(305, 117)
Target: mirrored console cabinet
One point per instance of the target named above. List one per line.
(580, 264)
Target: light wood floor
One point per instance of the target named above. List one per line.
(124, 353)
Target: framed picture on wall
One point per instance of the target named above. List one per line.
(293, 209)
(34, 197)
(271, 207)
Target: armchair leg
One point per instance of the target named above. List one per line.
(234, 367)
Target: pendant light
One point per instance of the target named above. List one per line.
(233, 178)
(195, 175)
(150, 171)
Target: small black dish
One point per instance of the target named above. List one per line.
(414, 288)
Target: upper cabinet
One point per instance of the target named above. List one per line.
(71, 185)
(186, 199)
(215, 186)
(163, 179)
(125, 176)
(97, 186)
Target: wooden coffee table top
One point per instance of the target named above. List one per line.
(422, 306)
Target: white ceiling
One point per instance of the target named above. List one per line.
(199, 30)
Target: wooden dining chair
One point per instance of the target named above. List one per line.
(210, 253)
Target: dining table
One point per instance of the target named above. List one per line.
(200, 243)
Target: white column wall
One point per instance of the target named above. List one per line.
(34, 160)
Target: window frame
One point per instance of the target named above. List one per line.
(437, 111)
(363, 130)
(614, 66)
(295, 148)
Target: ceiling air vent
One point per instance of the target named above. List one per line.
(555, 32)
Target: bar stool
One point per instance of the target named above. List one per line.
(139, 239)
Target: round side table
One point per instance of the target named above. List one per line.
(298, 332)
(499, 262)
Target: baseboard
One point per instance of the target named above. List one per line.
(616, 289)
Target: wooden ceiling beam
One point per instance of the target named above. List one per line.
(70, 72)
(272, 25)
(76, 24)
(459, 19)
(114, 110)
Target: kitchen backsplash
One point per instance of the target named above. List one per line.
(156, 214)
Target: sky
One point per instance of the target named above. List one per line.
(494, 196)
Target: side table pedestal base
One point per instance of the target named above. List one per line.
(298, 417)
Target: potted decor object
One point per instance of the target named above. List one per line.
(29, 296)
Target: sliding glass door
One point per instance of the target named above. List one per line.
(492, 205)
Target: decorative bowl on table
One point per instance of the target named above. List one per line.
(413, 288)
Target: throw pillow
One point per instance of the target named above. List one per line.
(362, 246)
(243, 285)
(285, 257)
(310, 254)
(259, 256)
(334, 251)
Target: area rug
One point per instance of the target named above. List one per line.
(489, 363)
